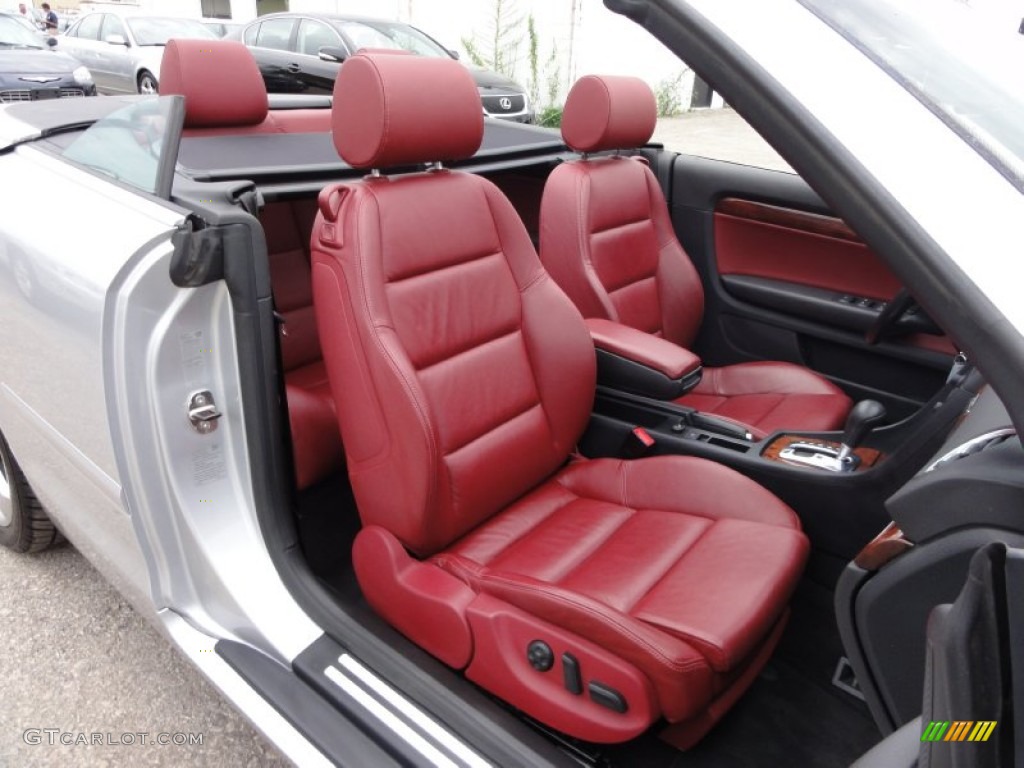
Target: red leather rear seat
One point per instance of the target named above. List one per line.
(316, 440)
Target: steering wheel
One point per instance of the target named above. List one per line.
(887, 319)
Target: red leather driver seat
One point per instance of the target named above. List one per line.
(599, 597)
(607, 240)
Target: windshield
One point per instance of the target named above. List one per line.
(966, 71)
(13, 34)
(149, 30)
(382, 34)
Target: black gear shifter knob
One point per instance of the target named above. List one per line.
(862, 419)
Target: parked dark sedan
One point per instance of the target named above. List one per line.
(301, 53)
(29, 71)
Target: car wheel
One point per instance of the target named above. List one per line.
(24, 526)
(147, 83)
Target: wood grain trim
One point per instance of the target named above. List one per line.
(885, 547)
(868, 456)
(789, 218)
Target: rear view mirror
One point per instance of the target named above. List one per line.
(51, 41)
(332, 53)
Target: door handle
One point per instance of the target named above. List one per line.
(293, 67)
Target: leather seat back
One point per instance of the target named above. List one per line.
(606, 236)
(287, 226)
(454, 350)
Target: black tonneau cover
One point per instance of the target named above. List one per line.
(209, 158)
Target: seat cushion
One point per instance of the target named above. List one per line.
(316, 439)
(679, 565)
(769, 396)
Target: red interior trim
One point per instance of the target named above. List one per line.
(814, 223)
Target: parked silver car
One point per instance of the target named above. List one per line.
(176, 399)
(123, 51)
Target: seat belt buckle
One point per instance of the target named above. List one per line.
(637, 443)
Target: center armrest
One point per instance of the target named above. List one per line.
(642, 363)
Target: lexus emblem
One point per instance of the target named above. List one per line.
(505, 102)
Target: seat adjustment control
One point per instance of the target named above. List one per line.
(571, 674)
(540, 656)
(607, 697)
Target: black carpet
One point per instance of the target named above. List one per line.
(791, 716)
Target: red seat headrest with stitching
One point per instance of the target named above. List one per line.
(400, 110)
(219, 79)
(606, 112)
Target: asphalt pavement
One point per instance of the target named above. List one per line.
(76, 660)
(720, 134)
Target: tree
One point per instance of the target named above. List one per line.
(504, 36)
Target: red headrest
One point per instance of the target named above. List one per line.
(605, 112)
(219, 79)
(399, 110)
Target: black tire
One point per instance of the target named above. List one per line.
(146, 83)
(24, 525)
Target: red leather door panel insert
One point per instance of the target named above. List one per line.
(805, 248)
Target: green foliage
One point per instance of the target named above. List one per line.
(670, 101)
(533, 59)
(506, 33)
(474, 53)
(550, 117)
(554, 75)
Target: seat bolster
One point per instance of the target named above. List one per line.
(769, 396)
(683, 681)
(766, 377)
(420, 600)
(684, 484)
(565, 240)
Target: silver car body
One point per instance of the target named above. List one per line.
(117, 52)
(94, 393)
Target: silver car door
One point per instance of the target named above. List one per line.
(67, 233)
(94, 48)
(118, 59)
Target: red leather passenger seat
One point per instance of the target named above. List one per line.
(607, 239)
(599, 597)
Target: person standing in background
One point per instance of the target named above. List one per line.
(50, 18)
(23, 10)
